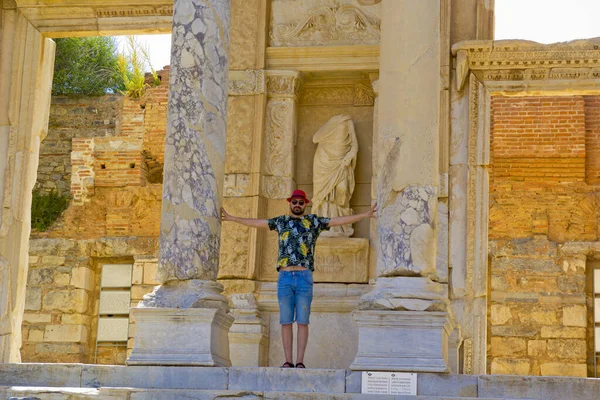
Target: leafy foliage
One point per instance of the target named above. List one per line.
(86, 66)
(46, 208)
(132, 67)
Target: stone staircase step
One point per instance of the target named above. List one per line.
(53, 393)
(91, 381)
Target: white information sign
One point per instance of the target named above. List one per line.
(389, 383)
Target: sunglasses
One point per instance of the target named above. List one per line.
(298, 202)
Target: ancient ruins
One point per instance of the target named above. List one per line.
(483, 155)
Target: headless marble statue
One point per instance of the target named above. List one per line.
(333, 171)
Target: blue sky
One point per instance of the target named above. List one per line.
(544, 21)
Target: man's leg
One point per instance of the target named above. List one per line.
(287, 337)
(303, 303)
(302, 341)
(286, 298)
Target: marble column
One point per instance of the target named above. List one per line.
(184, 321)
(407, 309)
(26, 69)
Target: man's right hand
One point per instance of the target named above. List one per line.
(225, 216)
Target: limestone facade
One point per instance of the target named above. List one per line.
(486, 231)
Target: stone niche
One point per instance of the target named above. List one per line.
(324, 95)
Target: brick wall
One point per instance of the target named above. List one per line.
(80, 117)
(545, 160)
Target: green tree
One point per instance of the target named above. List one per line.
(132, 65)
(86, 66)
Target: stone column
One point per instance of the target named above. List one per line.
(407, 309)
(26, 68)
(184, 320)
(472, 19)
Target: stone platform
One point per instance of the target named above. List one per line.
(82, 381)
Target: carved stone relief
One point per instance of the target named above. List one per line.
(323, 22)
(245, 83)
(359, 95)
(137, 11)
(279, 137)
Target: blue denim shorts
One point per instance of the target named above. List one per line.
(295, 293)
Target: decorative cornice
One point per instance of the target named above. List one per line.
(324, 58)
(519, 60)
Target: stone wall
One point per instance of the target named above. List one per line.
(60, 319)
(544, 158)
(81, 117)
(110, 150)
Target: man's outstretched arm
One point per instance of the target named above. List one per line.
(350, 219)
(252, 222)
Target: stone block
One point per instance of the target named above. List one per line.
(116, 275)
(137, 275)
(538, 388)
(60, 348)
(66, 333)
(40, 276)
(563, 332)
(526, 264)
(75, 319)
(138, 291)
(572, 283)
(201, 334)
(40, 374)
(154, 377)
(62, 280)
(33, 299)
(35, 318)
(536, 348)
(67, 300)
(538, 316)
(508, 346)
(113, 329)
(575, 315)
(567, 348)
(333, 338)
(287, 380)
(510, 366)
(150, 272)
(517, 330)
(342, 260)
(52, 260)
(500, 314)
(563, 369)
(82, 278)
(419, 340)
(114, 302)
(35, 335)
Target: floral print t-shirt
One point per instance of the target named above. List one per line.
(297, 239)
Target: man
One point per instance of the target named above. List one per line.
(298, 235)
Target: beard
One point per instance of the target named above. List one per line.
(297, 211)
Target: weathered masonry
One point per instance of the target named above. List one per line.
(481, 154)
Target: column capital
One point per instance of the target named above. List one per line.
(283, 83)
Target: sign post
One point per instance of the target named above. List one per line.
(389, 383)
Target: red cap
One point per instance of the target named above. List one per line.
(299, 194)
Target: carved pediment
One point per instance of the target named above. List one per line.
(334, 23)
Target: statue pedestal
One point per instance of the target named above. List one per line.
(342, 260)
(407, 341)
(172, 336)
